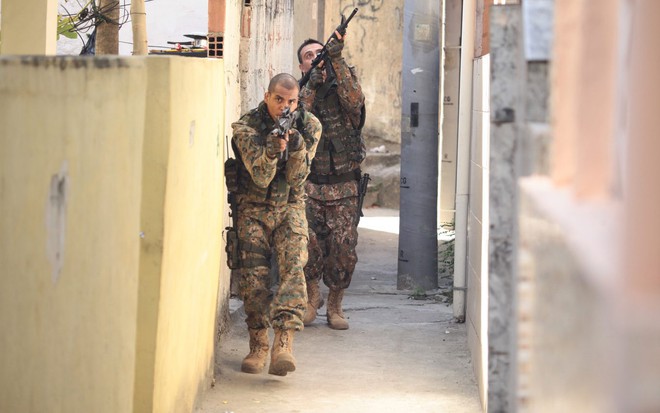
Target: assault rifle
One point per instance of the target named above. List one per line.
(231, 180)
(284, 123)
(322, 56)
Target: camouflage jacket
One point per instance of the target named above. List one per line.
(339, 105)
(272, 181)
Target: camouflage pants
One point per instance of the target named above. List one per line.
(262, 229)
(333, 237)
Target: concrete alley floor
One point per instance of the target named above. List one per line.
(399, 354)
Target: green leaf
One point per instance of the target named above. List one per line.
(66, 28)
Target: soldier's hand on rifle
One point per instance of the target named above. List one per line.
(315, 78)
(335, 46)
(295, 140)
(275, 144)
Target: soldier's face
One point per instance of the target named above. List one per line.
(280, 99)
(307, 54)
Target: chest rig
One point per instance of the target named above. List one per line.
(278, 192)
(341, 148)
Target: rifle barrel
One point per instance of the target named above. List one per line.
(355, 10)
(321, 56)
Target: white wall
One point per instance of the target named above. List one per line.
(167, 20)
(477, 259)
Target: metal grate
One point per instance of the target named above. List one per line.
(215, 45)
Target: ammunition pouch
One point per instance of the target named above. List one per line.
(233, 254)
(233, 250)
(231, 175)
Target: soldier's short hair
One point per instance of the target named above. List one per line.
(285, 80)
(305, 43)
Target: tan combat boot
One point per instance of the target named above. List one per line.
(314, 302)
(281, 355)
(255, 361)
(336, 318)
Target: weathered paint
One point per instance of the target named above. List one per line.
(70, 185)
(110, 231)
(28, 27)
(267, 50)
(506, 76)
(181, 222)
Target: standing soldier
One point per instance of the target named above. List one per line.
(272, 165)
(334, 95)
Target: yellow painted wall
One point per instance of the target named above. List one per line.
(182, 220)
(29, 27)
(70, 180)
(112, 204)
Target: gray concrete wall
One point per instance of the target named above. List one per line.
(506, 108)
(231, 56)
(374, 47)
(266, 47)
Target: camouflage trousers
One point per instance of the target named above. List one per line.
(261, 229)
(333, 237)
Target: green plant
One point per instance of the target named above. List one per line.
(69, 25)
(418, 294)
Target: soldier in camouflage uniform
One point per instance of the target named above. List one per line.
(271, 216)
(336, 98)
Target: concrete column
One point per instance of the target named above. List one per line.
(217, 16)
(507, 82)
(418, 248)
(597, 81)
(643, 195)
(29, 27)
(640, 374)
(566, 59)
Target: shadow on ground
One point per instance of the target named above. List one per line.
(399, 355)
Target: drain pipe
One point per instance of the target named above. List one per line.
(468, 23)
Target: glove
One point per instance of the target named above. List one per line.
(315, 78)
(295, 140)
(274, 144)
(334, 48)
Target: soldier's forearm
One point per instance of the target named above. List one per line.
(262, 170)
(297, 167)
(348, 88)
(307, 97)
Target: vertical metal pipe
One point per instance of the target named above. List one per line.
(418, 256)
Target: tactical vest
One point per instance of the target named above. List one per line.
(278, 192)
(341, 148)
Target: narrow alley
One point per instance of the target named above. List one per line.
(399, 355)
